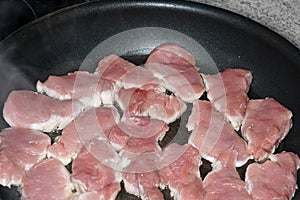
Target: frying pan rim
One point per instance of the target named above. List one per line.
(252, 26)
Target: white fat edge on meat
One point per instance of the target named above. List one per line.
(190, 125)
(174, 193)
(130, 188)
(9, 181)
(161, 137)
(107, 97)
(249, 184)
(237, 163)
(91, 101)
(56, 122)
(79, 186)
(191, 96)
(235, 121)
(64, 160)
(124, 161)
(156, 113)
(240, 163)
(116, 146)
(205, 155)
(41, 156)
(41, 88)
(113, 161)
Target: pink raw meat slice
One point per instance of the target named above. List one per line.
(86, 196)
(90, 174)
(212, 135)
(167, 53)
(117, 137)
(228, 93)
(113, 68)
(20, 149)
(49, 179)
(10, 173)
(94, 123)
(224, 182)
(182, 79)
(179, 168)
(274, 179)
(141, 145)
(266, 123)
(175, 67)
(191, 191)
(109, 192)
(108, 155)
(89, 89)
(137, 134)
(137, 102)
(27, 109)
(144, 127)
(142, 78)
(140, 175)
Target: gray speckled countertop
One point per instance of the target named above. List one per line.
(281, 16)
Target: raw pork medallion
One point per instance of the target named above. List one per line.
(27, 109)
(179, 170)
(212, 134)
(137, 102)
(49, 179)
(20, 149)
(137, 134)
(224, 182)
(140, 174)
(142, 78)
(113, 68)
(89, 89)
(274, 179)
(228, 93)
(167, 53)
(266, 123)
(94, 123)
(176, 68)
(90, 174)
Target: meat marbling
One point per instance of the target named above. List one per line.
(224, 182)
(179, 169)
(176, 68)
(137, 102)
(90, 124)
(89, 89)
(274, 179)
(27, 109)
(266, 123)
(228, 93)
(48, 179)
(20, 149)
(211, 134)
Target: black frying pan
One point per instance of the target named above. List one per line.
(73, 38)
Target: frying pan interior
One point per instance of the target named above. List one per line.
(79, 36)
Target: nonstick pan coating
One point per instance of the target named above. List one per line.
(61, 42)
